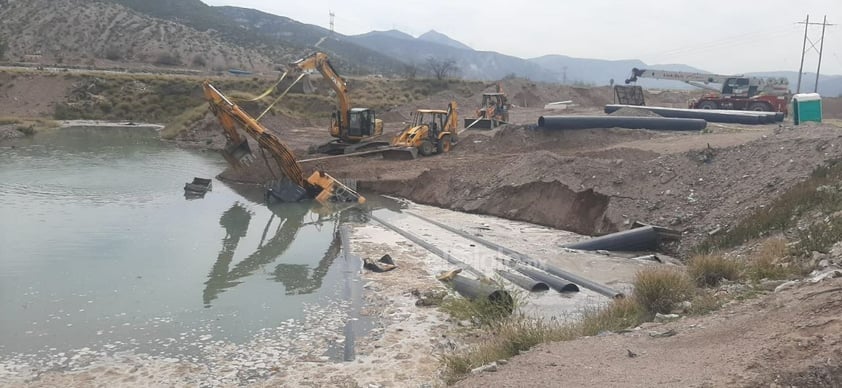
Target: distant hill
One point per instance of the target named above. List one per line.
(479, 65)
(95, 33)
(437, 37)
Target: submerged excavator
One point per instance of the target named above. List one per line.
(353, 128)
(431, 131)
(292, 186)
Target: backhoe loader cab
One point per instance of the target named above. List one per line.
(493, 111)
(431, 131)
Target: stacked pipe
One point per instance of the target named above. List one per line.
(710, 115)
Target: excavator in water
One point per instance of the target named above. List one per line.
(353, 128)
(293, 185)
(735, 92)
(431, 131)
(493, 111)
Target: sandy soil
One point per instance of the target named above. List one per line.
(791, 338)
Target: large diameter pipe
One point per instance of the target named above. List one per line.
(654, 123)
(557, 283)
(478, 290)
(527, 283)
(632, 240)
(710, 115)
(591, 285)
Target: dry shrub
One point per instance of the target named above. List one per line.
(768, 261)
(709, 269)
(658, 290)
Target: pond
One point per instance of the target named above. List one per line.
(100, 249)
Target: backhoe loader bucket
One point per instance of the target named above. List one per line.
(238, 154)
(482, 123)
(401, 153)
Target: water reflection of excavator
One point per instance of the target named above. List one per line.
(296, 278)
(353, 128)
(294, 186)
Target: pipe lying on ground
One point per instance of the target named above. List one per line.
(430, 247)
(632, 240)
(654, 123)
(477, 290)
(591, 285)
(710, 115)
(524, 282)
(555, 282)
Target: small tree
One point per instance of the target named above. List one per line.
(442, 68)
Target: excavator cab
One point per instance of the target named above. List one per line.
(361, 122)
(493, 111)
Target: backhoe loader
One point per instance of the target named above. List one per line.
(493, 111)
(431, 131)
(293, 186)
(353, 128)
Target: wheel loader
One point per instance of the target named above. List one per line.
(493, 111)
(431, 132)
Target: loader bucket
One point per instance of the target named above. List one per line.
(238, 154)
(402, 153)
(480, 123)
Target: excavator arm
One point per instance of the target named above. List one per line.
(319, 185)
(319, 62)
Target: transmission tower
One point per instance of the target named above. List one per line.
(819, 50)
(332, 16)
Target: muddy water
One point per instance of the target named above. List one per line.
(101, 251)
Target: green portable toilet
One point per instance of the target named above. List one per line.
(806, 107)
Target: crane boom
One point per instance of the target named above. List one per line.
(319, 185)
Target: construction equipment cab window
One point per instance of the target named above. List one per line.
(361, 122)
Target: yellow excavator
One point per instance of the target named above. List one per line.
(431, 131)
(293, 186)
(353, 128)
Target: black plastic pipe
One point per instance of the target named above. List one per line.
(555, 282)
(591, 285)
(477, 290)
(633, 240)
(524, 282)
(714, 116)
(654, 123)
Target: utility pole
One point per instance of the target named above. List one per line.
(804, 50)
(821, 48)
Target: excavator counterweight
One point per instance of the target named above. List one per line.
(237, 152)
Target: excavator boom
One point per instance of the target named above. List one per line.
(319, 185)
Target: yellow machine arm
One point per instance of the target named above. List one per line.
(319, 185)
(319, 62)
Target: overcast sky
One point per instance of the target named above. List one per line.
(721, 36)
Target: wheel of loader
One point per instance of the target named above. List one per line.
(444, 144)
(426, 148)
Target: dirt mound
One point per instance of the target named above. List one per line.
(392, 116)
(524, 138)
(634, 112)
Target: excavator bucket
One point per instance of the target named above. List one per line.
(238, 154)
(400, 153)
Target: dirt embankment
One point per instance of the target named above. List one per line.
(784, 339)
